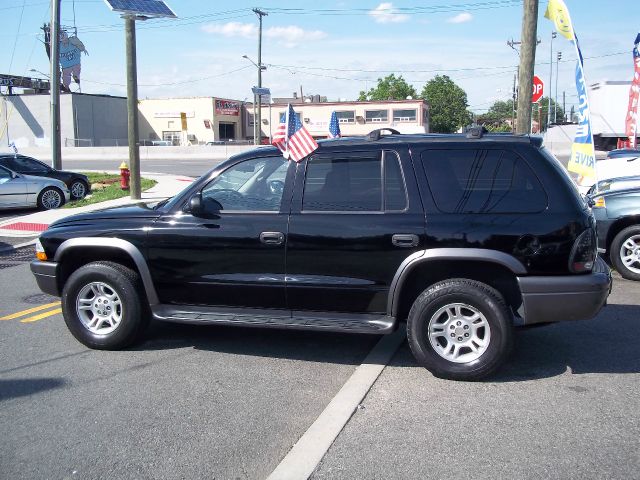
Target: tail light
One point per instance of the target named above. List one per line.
(584, 252)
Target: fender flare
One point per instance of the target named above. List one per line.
(117, 244)
(432, 254)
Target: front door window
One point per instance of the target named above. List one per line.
(254, 185)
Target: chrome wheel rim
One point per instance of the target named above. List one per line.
(459, 333)
(630, 253)
(51, 199)
(99, 308)
(78, 190)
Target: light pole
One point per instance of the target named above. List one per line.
(257, 129)
(46, 75)
(553, 35)
(555, 107)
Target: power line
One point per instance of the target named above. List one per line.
(183, 82)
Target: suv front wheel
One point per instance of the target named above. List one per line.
(102, 307)
(460, 329)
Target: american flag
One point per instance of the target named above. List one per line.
(334, 126)
(293, 140)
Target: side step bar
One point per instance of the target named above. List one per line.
(253, 317)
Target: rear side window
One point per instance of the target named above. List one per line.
(363, 182)
(482, 181)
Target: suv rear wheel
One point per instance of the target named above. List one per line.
(102, 307)
(460, 329)
(625, 252)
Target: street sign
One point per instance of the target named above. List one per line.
(538, 89)
(261, 91)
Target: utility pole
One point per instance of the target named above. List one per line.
(555, 107)
(257, 122)
(132, 105)
(553, 35)
(513, 105)
(564, 112)
(54, 94)
(527, 61)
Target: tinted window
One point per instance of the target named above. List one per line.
(26, 165)
(482, 181)
(343, 184)
(394, 188)
(5, 175)
(252, 185)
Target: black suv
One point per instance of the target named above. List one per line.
(77, 183)
(462, 236)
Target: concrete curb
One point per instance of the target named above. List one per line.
(305, 456)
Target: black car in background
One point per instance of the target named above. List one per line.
(616, 207)
(77, 183)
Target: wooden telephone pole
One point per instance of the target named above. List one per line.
(527, 61)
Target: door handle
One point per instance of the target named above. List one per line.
(272, 238)
(404, 240)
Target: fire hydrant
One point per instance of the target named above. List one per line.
(125, 174)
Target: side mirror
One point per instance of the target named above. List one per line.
(15, 175)
(195, 204)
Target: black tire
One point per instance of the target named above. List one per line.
(615, 254)
(43, 204)
(481, 297)
(76, 187)
(134, 310)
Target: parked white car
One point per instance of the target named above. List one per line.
(19, 191)
(624, 162)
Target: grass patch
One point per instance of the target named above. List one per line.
(105, 187)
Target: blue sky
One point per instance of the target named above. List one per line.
(335, 53)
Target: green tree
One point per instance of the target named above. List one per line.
(389, 88)
(447, 105)
(544, 102)
(498, 117)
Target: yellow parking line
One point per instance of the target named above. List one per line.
(30, 310)
(40, 316)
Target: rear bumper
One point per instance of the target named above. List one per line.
(45, 273)
(569, 297)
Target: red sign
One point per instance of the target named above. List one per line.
(538, 89)
(227, 107)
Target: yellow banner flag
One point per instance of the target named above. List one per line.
(558, 13)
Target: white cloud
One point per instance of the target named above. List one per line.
(233, 29)
(289, 36)
(293, 34)
(461, 18)
(385, 13)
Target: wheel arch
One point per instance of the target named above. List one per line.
(86, 250)
(422, 269)
(620, 225)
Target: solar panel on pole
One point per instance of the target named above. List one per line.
(146, 8)
(131, 11)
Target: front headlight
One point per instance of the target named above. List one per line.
(40, 254)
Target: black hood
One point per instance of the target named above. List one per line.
(137, 210)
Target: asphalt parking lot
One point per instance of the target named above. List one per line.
(225, 403)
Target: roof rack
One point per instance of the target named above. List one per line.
(375, 135)
(476, 131)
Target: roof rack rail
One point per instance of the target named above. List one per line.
(475, 131)
(375, 135)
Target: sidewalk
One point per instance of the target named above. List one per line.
(31, 225)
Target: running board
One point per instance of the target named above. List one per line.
(253, 317)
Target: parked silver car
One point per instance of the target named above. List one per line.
(17, 190)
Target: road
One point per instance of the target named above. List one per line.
(226, 403)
